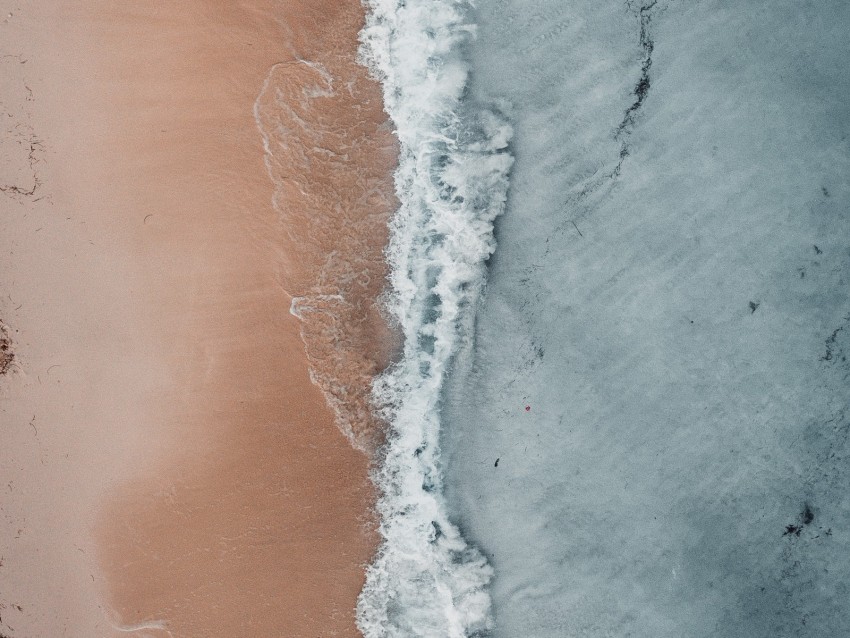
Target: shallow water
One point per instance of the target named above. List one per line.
(648, 433)
(330, 154)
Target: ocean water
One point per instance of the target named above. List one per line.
(620, 266)
(659, 360)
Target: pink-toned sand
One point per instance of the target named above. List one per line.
(167, 466)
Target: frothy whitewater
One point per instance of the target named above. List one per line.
(452, 183)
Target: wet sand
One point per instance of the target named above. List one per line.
(170, 468)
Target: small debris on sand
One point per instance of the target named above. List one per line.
(6, 354)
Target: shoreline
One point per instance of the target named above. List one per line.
(186, 469)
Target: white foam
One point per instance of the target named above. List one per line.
(452, 183)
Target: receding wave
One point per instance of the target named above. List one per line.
(451, 183)
(329, 152)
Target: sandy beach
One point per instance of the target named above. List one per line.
(169, 468)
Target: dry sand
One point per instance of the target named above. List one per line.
(167, 466)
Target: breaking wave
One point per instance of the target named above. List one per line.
(451, 182)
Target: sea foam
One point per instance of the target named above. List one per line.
(452, 183)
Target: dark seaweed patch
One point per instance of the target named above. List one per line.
(805, 518)
(808, 516)
(834, 349)
(641, 90)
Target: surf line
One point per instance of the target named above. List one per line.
(452, 182)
